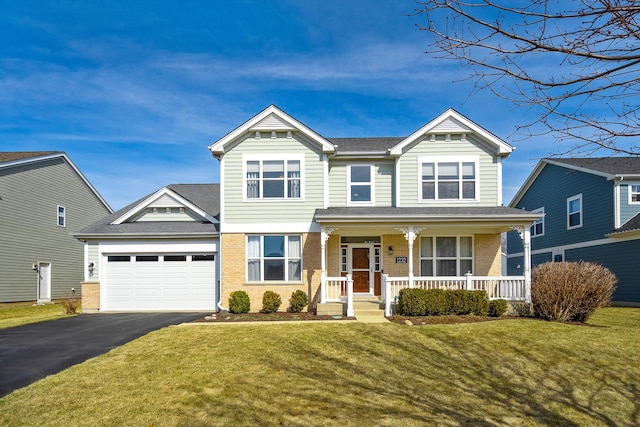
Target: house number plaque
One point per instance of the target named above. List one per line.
(401, 260)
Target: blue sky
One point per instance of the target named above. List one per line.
(135, 91)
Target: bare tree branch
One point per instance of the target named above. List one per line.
(575, 64)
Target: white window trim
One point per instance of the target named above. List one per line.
(262, 258)
(261, 157)
(458, 257)
(539, 210)
(630, 193)
(569, 200)
(62, 215)
(372, 182)
(450, 159)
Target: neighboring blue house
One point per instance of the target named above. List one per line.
(591, 210)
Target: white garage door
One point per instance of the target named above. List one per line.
(144, 282)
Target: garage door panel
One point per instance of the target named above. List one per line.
(149, 282)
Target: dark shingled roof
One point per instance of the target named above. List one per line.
(9, 156)
(204, 196)
(359, 145)
(608, 165)
(632, 225)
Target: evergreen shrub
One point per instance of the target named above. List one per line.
(298, 301)
(239, 302)
(271, 302)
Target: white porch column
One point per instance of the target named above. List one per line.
(324, 236)
(525, 235)
(410, 233)
(350, 312)
(527, 263)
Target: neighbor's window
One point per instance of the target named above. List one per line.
(537, 229)
(634, 194)
(274, 258)
(448, 180)
(62, 216)
(360, 184)
(574, 212)
(273, 179)
(446, 256)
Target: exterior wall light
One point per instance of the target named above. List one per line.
(390, 250)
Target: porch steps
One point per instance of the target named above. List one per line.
(331, 309)
(369, 310)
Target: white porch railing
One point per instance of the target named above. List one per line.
(338, 289)
(511, 288)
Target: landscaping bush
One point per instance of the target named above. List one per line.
(457, 302)
(298, 301)
(239, 302)
(271, 302)
(71, 303)
(478, 302)
(436, 302)
(570, 291)
(413, 302)
(498, 307)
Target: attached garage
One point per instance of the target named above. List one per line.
(159, 282)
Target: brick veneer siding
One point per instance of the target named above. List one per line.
(234, 272)
(487, 254)
(90, 297)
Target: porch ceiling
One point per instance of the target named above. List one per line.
(387, 220)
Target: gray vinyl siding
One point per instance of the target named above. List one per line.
(551, 189)
(278, 211)
(487, 173)
(627, 211)
(29, 232)
(622, 259)
(384, 182)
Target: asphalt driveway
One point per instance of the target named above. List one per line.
(31, 352)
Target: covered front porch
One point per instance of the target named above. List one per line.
(375, 252)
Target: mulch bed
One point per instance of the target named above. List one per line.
(261, 317)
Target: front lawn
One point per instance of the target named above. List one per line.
(514, 372)
(23, 313)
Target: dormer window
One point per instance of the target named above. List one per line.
(273, 179)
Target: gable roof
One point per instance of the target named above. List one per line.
(449, 120)
(16, 158)
(608, 167)
(202, 198)
(271, 119)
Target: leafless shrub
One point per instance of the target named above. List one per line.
(570, 291)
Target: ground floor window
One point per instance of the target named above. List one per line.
(446, 256)
(274, 258)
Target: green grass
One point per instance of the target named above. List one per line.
(18, 314)
(513, 372)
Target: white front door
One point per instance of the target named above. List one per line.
(44, 282)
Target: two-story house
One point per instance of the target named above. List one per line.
(345, 217)
(591, 212)
(44, 200)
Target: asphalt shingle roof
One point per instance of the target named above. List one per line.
(359, 145)
(426, 212)
(204, 196)
(609, 165)
(9, 156)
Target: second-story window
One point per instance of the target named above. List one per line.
(448, 180)
(273, 179)
(574, 212)
(634, 194)
(537, 229)
(360, 184)
(62, 216)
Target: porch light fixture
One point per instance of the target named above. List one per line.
(91, 265)
(390, 250)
